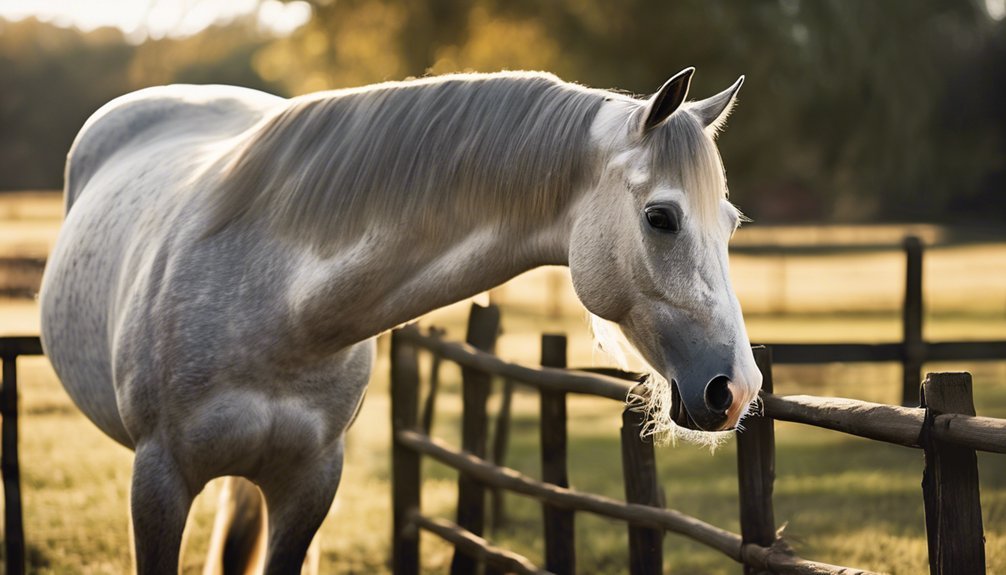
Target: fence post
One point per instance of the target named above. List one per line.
(560, 540)
(950, 486)
(430, 405)
(483, 329)
(756, 467)
(501, 444)
(913, 346)
(405, 463)
(10, 469)
(639, 471)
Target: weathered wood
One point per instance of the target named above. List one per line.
(639, 473)
(612, 383)
(405, 462)
(512, 480)
(501, 445)
(477, 547)
(780, 560)
(809, 249)
(711, 536)
(914, 345)
(430, 405)
(965, 350)
(483, 329)
(756, 468)
(542, 378)
(890, 423)
(950, 485)
(560, 547)
(811, 353)
(981, 433)
(11, 346)
(11, 471)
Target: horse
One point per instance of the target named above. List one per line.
(228, 258)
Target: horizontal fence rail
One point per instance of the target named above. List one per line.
(725, 542)
(547, 378)
(911, 352)
(758, 548)
(889, 423)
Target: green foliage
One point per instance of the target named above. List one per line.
(853, 110)
(54, 78)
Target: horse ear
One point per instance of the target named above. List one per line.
(667, 99)
(713, 111)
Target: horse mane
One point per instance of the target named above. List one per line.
(471, 146)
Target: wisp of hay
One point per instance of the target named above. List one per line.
(656, 401)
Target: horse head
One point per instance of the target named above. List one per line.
(649, 252)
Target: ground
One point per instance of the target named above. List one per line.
(843, 500)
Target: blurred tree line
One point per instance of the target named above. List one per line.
(853, 110)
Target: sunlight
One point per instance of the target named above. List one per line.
(996, 8)
(283, 17)
(142, 19)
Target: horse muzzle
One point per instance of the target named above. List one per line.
(707, 408)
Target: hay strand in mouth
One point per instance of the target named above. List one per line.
(655, 400)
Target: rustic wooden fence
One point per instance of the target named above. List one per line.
(10, 349)
(945, 428)
(911, 352)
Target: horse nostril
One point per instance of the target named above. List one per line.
(718, 394)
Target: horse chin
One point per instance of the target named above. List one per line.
(679, 413)
(667, 420)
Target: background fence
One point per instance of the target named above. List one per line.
(10, 349)
(945, 428)
(911, 352)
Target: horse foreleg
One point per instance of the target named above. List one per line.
(160, 501)
(297, 504)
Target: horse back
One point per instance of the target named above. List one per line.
(139, 117)
(123, 177)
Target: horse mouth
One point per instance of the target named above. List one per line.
(678, 412)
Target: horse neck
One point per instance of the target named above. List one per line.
(387, 279)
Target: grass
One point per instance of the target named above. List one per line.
(842, 500)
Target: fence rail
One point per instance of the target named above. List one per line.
(912, 352)
(944, 428)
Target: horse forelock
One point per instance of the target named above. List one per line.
(474, 147)
(683, 148)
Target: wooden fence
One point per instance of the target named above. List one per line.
(911, 352)
(945, 428)
(10, 349)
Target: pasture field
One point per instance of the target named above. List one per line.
(843, 500)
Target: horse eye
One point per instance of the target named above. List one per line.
(663, 218)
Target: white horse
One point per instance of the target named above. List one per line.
(228, 258)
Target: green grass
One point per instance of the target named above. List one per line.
(843, 500)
